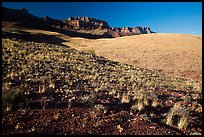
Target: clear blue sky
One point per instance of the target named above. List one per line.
(162, 17)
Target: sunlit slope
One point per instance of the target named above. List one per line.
(175, 54)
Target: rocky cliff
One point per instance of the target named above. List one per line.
(126, 31)
(75, 24)
(87, 23)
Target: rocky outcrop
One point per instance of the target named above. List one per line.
(87, 23)
(133, 30)
(70, 24)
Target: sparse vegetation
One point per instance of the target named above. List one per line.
(169, 120)
(183, 122)
(125, 98)
(155, 101)
(58, 76)
(179, 116)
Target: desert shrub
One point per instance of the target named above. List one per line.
(125, 98)
(140, 100)
(171, 114)
(155, 101)
(169, 120)
(140, 105)
(13, 99)
(146, 101)
(178, 115)
(183, 122)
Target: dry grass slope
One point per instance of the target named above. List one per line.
(51, 75)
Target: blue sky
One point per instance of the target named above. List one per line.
(162, 17)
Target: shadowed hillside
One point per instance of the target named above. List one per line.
(85, 27)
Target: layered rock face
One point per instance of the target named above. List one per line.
(137, 30)
(87, 23)
(70, 24)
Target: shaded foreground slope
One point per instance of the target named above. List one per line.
(59, 90)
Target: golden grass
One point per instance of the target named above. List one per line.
(125, 98)
(169, 119)
(183, 123)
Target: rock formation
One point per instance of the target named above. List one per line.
(87, 23)
(70, 24)
(126, 31)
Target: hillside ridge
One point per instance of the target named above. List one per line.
(77, 24)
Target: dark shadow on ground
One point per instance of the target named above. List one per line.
(26, 36)
(158, 121)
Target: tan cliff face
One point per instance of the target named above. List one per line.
(86, 23)
(74, 23)
(133, 30)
